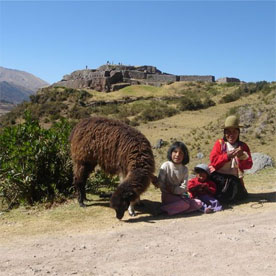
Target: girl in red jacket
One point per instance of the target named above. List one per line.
(228, 160)
(201, 187)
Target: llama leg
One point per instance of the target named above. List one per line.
(81, 173)
(130, 209)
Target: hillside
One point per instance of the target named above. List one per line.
(16, 86)
(37, 240)
(188, 111)
(10, 92)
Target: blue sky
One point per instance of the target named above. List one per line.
(221, 38)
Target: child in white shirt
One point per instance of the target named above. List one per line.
(173, 180)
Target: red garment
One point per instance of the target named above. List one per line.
(218, 156)
(194, 182)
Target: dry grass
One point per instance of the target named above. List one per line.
(130, 91)
(69, 217)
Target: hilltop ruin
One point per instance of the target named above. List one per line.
(111, 77)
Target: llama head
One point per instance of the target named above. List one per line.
(120, 201)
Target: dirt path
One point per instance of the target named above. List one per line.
(238, 241)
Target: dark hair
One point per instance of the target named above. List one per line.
(184, 149)
(224, 138)
(199, 170)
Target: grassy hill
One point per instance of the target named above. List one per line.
(192, 112)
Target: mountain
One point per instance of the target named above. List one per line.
(16, 86)
(10, 92)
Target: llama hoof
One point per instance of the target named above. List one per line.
(82, 205)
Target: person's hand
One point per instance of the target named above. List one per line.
(235, 152)
(195, 189)
(231, 154)
(239, 152)
(205, 188)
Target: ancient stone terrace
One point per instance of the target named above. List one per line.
(111, 77)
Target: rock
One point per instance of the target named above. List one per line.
(159, 144)
(118, 86)
(199, 155)
(260, 161)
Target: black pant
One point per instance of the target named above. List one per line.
(229, 187)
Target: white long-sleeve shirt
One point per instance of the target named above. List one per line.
(173, 178)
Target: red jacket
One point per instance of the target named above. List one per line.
(218, 156)
(193, 183)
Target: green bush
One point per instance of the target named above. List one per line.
(155, 111)
(105, 110)
(79, 112)
(230, 97)
(35, 164)
(194, 103)
(101, 182)
(245, 90)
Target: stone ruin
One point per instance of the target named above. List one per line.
(227, 79)
(111, 77)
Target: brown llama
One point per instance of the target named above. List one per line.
(119, 150)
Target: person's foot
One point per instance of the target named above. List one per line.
(208, 210)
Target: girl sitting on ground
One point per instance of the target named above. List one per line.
(173, 180)
(201, 187)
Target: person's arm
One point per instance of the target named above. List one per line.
(182, 188)
(245, 160)
(165, 184)
(170, 187)
(217, 157)
(193, 187)
(211, 187)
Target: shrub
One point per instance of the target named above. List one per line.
(230, 97)
(106, 109)
(34, 163)
(79, 112)
(99, 181)
(207, 102)
(247, 89)
(156, 111)
(229, 84)
(195, 103)
(213, 91)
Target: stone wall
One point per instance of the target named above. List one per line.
(111, 77)
(136, 74)
(197, 78)
(226, 79)
(161, 78)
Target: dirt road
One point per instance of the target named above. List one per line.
(238, 241)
